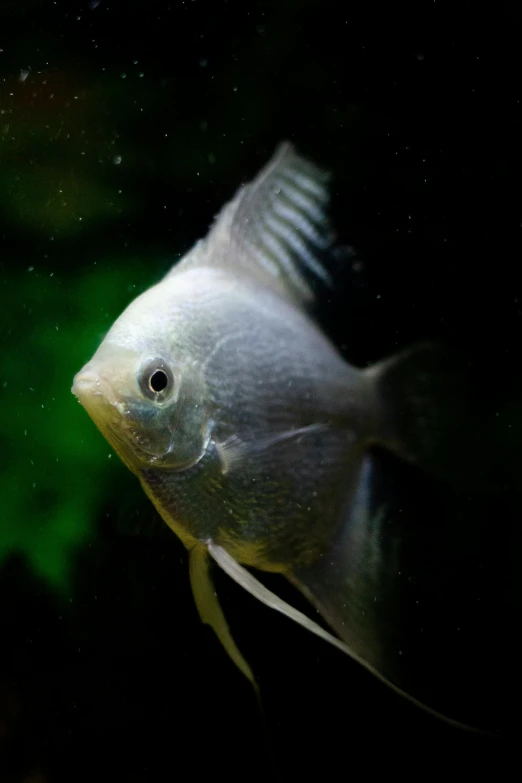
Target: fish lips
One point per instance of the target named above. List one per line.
(94, 392)
(108, 411)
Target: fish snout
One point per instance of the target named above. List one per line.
(86, 382)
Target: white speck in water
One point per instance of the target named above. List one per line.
(117, 160)
(94, 4)
(23, 75)
(30, 268)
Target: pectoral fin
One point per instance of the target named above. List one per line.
(235, 449)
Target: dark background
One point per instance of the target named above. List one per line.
(124, 127)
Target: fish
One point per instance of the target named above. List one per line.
(252, 435)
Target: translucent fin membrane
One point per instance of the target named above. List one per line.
(276, 227)
(259, 591)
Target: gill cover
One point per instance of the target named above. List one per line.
(167, 418)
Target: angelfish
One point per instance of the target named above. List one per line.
(247, 429)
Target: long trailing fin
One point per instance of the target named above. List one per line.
(246, 580)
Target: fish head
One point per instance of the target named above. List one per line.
(145, 398)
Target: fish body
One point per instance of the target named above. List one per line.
(245, 426)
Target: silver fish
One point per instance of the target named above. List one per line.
(248, 430)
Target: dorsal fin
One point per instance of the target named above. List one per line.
(276, 228)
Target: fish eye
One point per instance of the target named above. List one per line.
(156, 380)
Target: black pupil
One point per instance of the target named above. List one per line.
(158, 381)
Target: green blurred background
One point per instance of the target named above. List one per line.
(124, 127)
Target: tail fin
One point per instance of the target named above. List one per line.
(431, 413)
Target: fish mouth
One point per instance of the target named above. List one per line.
(112, 417)
(94, 392)
(90, 384)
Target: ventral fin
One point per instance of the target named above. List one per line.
(210, 610)
(246, 580)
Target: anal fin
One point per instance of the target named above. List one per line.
(246, 580)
